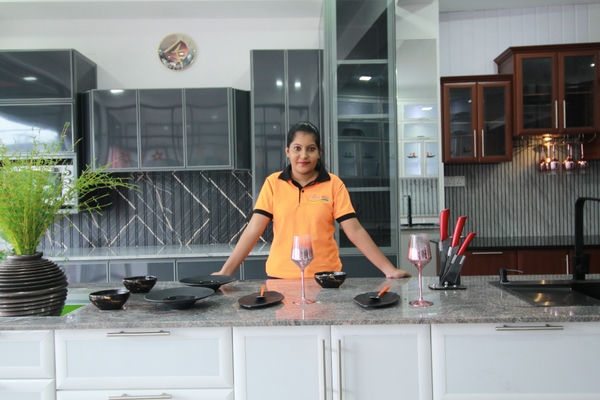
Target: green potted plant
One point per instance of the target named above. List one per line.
(32, 199)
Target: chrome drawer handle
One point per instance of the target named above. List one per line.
(124, 333)
(148, 397)
(546, 327)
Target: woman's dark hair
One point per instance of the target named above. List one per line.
(304, 126)
(308, 127)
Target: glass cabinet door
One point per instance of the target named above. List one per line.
(161, 128)
(115, 128)
(537, 88)
(577, 90)
(493, 122)
(22, 125)
(208, 130)
(461, 114)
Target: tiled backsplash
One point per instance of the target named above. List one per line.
(169, 208)
(514, 199)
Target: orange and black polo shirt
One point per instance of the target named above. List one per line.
(296, 210)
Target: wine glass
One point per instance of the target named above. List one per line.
(419, 253)
(302, 255)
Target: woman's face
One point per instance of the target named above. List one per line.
(303, 153)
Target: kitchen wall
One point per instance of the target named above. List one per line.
(514, 199)
(169, 208)
(174, 208)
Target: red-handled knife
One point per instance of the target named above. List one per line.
(444, 217)
(465, 244)
(460, 223)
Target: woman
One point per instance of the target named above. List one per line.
(305, 198)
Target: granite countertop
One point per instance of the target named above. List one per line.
(479, 303)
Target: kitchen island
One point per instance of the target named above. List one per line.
(478, 343)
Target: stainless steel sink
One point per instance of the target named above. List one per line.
(554, 293)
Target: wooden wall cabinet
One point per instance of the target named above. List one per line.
(477, 118)
(556, 87)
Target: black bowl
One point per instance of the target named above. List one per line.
(330, 279)
(139, 284)
(111, 299)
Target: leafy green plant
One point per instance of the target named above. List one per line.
(31, 200)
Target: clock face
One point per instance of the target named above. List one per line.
(177, 51)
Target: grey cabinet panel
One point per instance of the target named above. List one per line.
(39, 95)
(86, 272)
(191, 268)
(113, 127)
(163, 270)
(168, 129)
(51, 74)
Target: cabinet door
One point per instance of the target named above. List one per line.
(578, 92)
(488, 262)
(192, 358)
(28, 389)
(113, 124)
(22, 125)
(533, 361)
(459, 115)
(208, 128)
(277, 363)
(543, 261)
(26, 354)
(494, 121)
(161, 128)
(536, 104)
(377, 362)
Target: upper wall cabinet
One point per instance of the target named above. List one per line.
(476, 118)
(39, 95)
(557, 87)
(168, 129)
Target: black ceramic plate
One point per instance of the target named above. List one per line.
(210, 281)
(253, 301)
(183, 297)
(386, 299)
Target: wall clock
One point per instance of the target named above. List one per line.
(177, 51)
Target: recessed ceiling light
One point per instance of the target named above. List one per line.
(116, 91)
(297, 84)
(365, 78)
(426, 108)
(279, 83)
(30, 78)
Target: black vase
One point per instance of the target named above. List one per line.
(31, 285)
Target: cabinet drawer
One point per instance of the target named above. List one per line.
(517, 361)
(150, 359)
(30, 389)
(170, 394)
(26, 354)
(488, 262)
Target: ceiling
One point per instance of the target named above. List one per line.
(128, 9)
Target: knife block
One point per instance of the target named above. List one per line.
(449, 278)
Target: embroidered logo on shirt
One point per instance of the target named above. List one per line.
(315, 198)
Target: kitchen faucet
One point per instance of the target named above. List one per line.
(581, 260)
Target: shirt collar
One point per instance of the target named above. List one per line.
(323, 176)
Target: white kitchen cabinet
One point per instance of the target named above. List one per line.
(282, 362)
(381, 362)
(190, 358)
(515, 361)
(173, 394)
(27, 389)
(26, 365)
